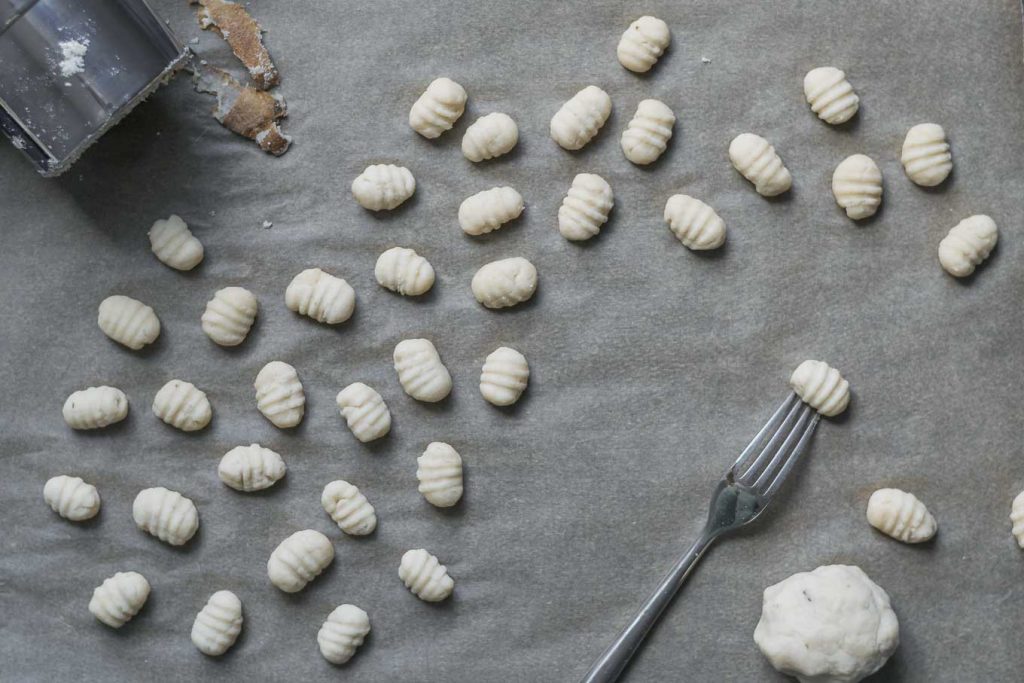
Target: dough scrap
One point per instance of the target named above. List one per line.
(249, 112)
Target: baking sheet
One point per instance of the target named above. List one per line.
(652, 365)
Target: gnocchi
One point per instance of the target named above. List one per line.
(489, 210)
(251, 468)
(504, 283)
(349, 509)
(830, 95)
(166, 514)
(439, 472)
(585, 208)
(72, 498)
(757, 161)
(183, 406)
(504, 376)
(926, 157)
(694, 223)
(821, 386)
(218, 624)
(438, 108)
(580, 118)
(404, 272)
(1017, 517)
(128, 321)
(279, 394)
(427, 578)
(95, 408)
(174, 244)
(647, 135)
(643, 43)
(857, 186)
(364, 411)
(320, 296)
(900, 515)
(299, 559)
(490, 136)
(119, 598)
(342, 634)
(420, 371)
(382, 187)
(229, 316)
(968, 243)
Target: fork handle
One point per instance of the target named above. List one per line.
(609, 665)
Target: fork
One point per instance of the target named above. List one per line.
(740, 497)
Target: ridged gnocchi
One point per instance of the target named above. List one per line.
(968, 243)
(251, 468)
(504, 376)
(504, 283)
(489, 210)
(830, 95)
(218, 624)
(580, 118)
(757, 161)
(1017, 518)
(438, 108)
(229, 316)
(420, 371)
(166, 514)
(439, 472)
(647, 135)
(857, 186)
(404, 272)
(183, 406)
(128, 321)
(926, 157)
(694, 223)
(95, 408)
(279, 394)
(382, 187)
(174, 244)
(643, 43)
(299, 559)
(119, 598)
(364, 411)
(72, 498)
(490, 136)
(425, 576)
(349, 508)
(900, 515)
(320, 296)
(821, 386)
(342, 634)
(585, 208)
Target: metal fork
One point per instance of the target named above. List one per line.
(743, 493)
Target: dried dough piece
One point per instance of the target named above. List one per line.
(321, 296)
(1017, 517)
(247, 111)
(245, 36)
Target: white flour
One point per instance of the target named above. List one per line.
(73, 53)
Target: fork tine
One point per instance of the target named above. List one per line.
(769, 428)
(776, 472)
(771, 448)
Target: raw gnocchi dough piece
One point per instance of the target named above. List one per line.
(694, 223)
(279, 394)
(349, 509)
(420, 370)
(72, 498)
(166, 514)
(489, 137)
(489, 210)
(900, 515)
(95, 407)
(218, 624)
(647, 135)
(504, 283)
(504, 376)
(299, 559)
(1017, 517)
(857, 186)
(968, 243)
(830, 95)
(229, 316)
(439, 472)
(404, 272)
(757, 161)
(926, 157)
(342, 634)
(119, 598)
(364, 411)
(320, 296)
(183, 406)
(383, 187)
(425, 576)
(174, 244)
(438, 108)
(585, 208)
(581, 117)
(251, 468)
(821, 387)
(643, 43)
(128, 321)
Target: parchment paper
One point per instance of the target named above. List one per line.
(652, 365)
